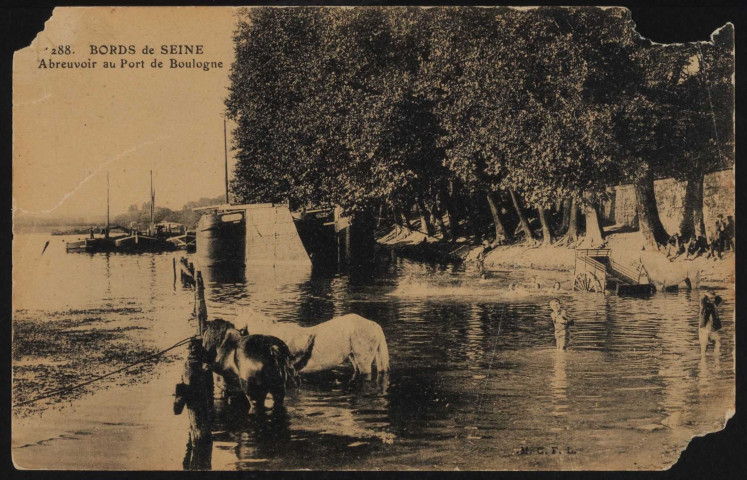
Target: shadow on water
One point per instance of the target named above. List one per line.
(225, 273)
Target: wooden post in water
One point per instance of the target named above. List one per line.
(187, 272)
(196, 393)
(200, 305)
(173, 265)
(196, 390)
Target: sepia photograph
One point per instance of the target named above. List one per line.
(370, 239)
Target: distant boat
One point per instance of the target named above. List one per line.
(187, 242)
(155, 240)
(138, 242)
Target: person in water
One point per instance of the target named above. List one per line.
(709, 324)
(561, 323)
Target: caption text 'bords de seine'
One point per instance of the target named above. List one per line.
(131, 57)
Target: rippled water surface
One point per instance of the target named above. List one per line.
(475, 383)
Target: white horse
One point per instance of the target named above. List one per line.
(348, 336)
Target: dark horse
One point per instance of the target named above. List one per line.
(259, 364)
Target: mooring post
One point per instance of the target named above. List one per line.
(187, 272)
(196, 393)
(173, 266)
(200, 305)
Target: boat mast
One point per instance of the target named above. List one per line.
(152, 200)
(225, 154)
(106, 233)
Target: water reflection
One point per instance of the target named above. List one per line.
(224, 274)
(474, 368)
(559, 384)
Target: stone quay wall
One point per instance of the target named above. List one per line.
(718, 198)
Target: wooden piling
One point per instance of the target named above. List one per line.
(196, 393)
(187, 272)
(200, 305)
(173, 267)
(196, 388)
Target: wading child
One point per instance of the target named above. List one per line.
(561, 323)
(709, 324)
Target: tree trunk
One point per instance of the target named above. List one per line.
(594, 231)
(362, 238)
(438, 216)
(500, 231)
(566, 219)
(403, 218)
(698, 222)
(448, 207)
(468, 207)
(546, 234)
(522, 219)
(397, 217)
(648, 213)
(425, 224)
(573, 221)
(692, 224)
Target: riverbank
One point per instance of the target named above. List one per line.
(627, 248)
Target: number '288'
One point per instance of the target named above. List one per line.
(62, 50)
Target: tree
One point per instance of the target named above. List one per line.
(328, 110)
(475, 78)
(705, 121)
(660, 133)
(385, 109)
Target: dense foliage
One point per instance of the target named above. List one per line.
(386, 109)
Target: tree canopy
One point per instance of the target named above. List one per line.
(390, 107)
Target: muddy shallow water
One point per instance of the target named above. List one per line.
(475, 384)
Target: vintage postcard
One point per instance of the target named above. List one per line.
(371, 238)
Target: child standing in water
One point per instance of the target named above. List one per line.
(561, 323)
(709, 323)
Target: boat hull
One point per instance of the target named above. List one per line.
(221, 239)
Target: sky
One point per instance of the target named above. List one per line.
(72, 126)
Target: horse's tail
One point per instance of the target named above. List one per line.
(301, 362)
(382, 354)
(282, 361)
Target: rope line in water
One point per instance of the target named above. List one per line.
(99, 377)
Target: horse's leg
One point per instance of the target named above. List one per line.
(255, 394)
(257, 398)
(365, 366)
(220, 387)
(365, 353)
(364, 359)
(356, 366)
(278, 397)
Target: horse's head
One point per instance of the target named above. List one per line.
(214, 335)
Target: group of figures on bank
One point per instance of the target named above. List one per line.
(721, 239)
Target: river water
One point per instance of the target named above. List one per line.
(476, 382)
